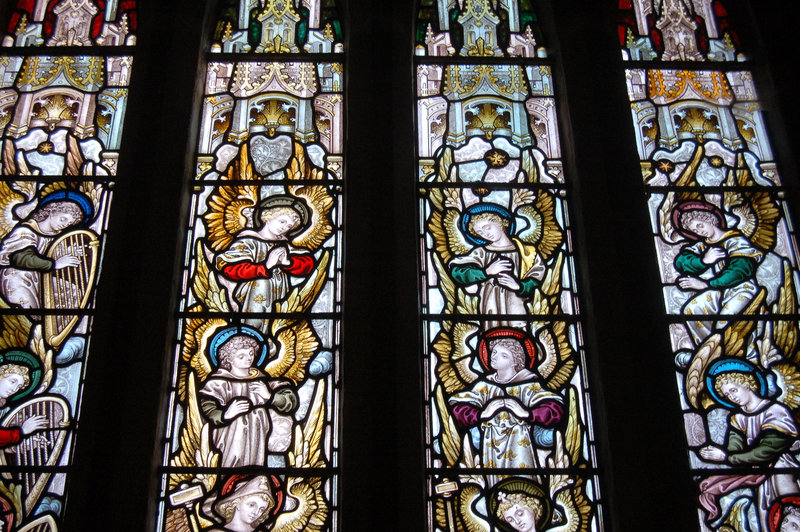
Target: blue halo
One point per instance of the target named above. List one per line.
(481, 208)
(732, 365)
(84, 203)
(222, 336)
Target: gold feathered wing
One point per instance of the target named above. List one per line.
(296, 338)
(757, 211)
(449, 436)
(205, 286)
(193, 354)
(543, 230)
(311, 510)
(227, 206)
(783, 335)
(559, 363)
(9, 199)
(466, 501)
(316, 197)
(455, 355)
(195, 449)
(732, 342)
(16, 329)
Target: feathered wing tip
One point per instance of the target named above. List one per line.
(576, 507)
(310, 513)
(544, 231)
(228, 209)
(566, 364)
(473, 522)
(205, 286)
(307, 441)
(788, 377)
(16, 329)
(321, 203)
(195, 447)
(573, 434)
(45, 355)
(9, 200)
(785, 332)
(193, 353)
(731, 342)
(450, 440)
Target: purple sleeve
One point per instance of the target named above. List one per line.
(466, 415)
(547, 413)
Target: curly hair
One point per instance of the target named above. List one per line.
(735, 377)
(59, 207)
(227, 509)
(697, 214)
(274, 212)
(789, 510)
(15, 369)
(487, 216)
(514, 347)
(233, 344)
(507, 500)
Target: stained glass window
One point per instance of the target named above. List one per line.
(509, 442)
(252, 433)
(727, 257)
(61, 118)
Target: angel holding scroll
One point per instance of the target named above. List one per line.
(23, 251)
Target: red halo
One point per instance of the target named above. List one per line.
(501, 332)
(776, 511)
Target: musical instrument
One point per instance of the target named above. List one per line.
(42, 448)
(46, 523)
(69, 288)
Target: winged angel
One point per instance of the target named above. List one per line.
(742, 377)
(32, 220)
(525, 370)
(253, 247)
(725, 259)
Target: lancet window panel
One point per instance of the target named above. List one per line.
(253, 411)
(61, 122)
(72, 23)
(509, 440)
(727, 255)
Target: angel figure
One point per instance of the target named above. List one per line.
(505, 268)
(260, 260)
(246, 507)
(23, 257)
(762, 432)
(719, 265)
(509, 402)
(15, 378)
(246, 410)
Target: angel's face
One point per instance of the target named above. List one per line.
(489, 229)
(520, 518)
(501, 358)
(737, 394)
(790, 523)
(249, 509)
(11, 384)
(281, 224)
(242, 358)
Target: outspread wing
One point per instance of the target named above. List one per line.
(732, 342)
(298, 344)
(785, 334)
(9, 200)
(757, 212)
(576, 508)
(16, 329)
(302, 297)
(450, 440)
(195, 447)
(321, 204)
(466, 501)
(228, 207)
(311, 510)
(193, 355)
(543, 230)
(455, 356)
(205, 286)
(564, 365)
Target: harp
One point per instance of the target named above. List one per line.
(69, 288)
(45, 523)
(40, 450)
